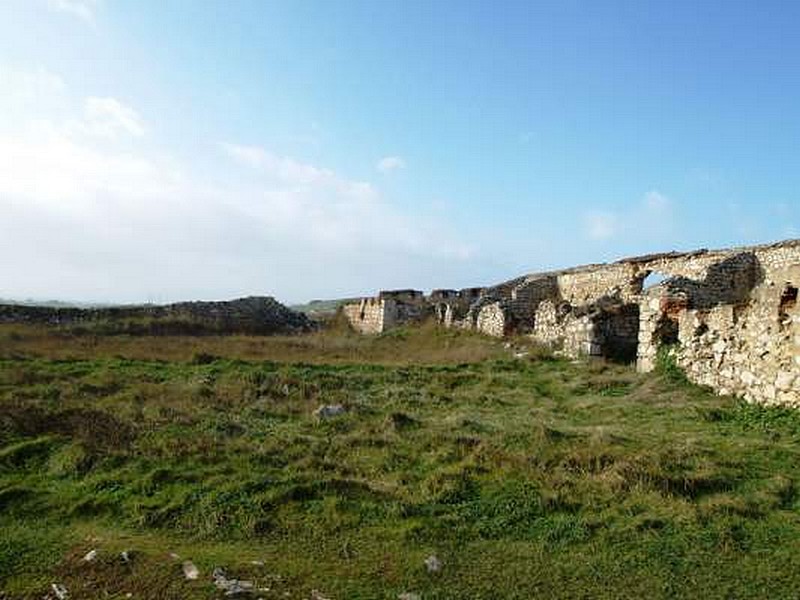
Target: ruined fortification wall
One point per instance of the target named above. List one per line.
(387, 310)
(256, 314)
(747, 344)
(368, 316)
(730, 317)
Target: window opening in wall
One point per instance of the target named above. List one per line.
(653, 279)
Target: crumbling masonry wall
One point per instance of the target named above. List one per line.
(730, 318)
(387, 310)
(253, 315)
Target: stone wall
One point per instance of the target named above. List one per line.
(367, 316)
(392, 308)
(258, 315)
(730, 317)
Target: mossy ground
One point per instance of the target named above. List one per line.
(531, 477)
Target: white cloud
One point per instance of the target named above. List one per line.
(96, 218)
(21, 86)
(286, 169)
(108, 117)
(48, 166)
(82, 9)
(656, 202)
(390, 163)
(652, 216)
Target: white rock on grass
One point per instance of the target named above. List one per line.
(60, 591)
(326, 411)
(90, 556)
(231, 587)
(409, 596)
(433, 564)
(190, 571)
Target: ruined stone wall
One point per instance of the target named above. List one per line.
(389, 309)
(256, 314)
(589, 284)
(525, 298)
(746, 344)
(492, 320)
(729, 316)
(367, 316)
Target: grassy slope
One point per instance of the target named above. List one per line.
(335, 345)
(527, 478)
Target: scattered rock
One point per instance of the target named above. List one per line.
(60, 591)
(231, 587)
(409, 596)
(326, 411)
(316, 595)
(90, 556)
(522, 354)
(174, 556)
(190, 571)
(125, 555)
(433, 564)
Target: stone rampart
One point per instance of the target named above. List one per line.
(731, 317)
(258, 315)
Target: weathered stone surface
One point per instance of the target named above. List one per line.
(190, 571)
(326, 411)
(231, 586)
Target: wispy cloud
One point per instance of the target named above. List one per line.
(390, 163)
(653, 214)
(285, 168)
(92, 215)
(25, 87)
(656, 202)
(85, 10)
(108, 117)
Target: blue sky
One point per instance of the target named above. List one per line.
(174, 150)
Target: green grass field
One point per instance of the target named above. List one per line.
(528, 477)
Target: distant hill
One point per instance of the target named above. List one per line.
(321, 308)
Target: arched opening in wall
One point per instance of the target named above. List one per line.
(787, 304)
(618, 333)
(653, 279)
